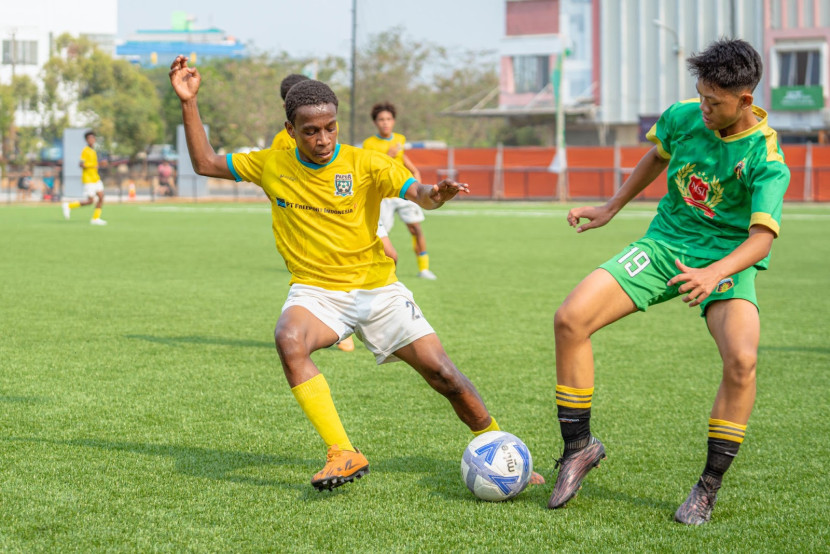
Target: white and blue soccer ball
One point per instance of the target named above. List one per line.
(496, 466)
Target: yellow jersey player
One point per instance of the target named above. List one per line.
(93, 187)
(325, 203)
(392, 144)
(282, 140)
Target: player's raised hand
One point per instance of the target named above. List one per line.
(185, 80)
(597, 216)
(446, 190)
(698, 282)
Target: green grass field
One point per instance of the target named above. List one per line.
(142, 405)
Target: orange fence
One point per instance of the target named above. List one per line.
(593, 172)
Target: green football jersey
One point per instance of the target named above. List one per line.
(718, 186)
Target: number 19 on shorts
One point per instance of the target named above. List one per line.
(637, 263)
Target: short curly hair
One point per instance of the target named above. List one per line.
(289, 82)
(383, 107)
(308, 93)
(730, 64)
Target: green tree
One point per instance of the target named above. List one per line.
(21, 93)
(113, 95)
(421, 81)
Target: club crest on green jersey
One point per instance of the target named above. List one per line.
(343, 184)
(739, 169)
(697, 192)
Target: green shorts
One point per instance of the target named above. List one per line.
(644, 267)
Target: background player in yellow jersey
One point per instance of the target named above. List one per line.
(325, 203)
(392, 144)
(93, 187)
(282, 140)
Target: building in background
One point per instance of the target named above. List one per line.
(625, 62)
(153, 47)
(28, 31)
(796, 43)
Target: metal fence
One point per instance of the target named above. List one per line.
(593, 174)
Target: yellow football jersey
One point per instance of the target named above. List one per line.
(283, 141)
(89, 174)
(380, 144)
(325, 217)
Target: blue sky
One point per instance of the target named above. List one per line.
(305, 28)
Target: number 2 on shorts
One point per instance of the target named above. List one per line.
(411, 306)
(637, 264)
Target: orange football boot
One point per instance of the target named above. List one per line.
(347, 344)
(342, 466)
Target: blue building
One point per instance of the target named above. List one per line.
(153, 47)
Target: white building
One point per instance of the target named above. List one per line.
(29, 28)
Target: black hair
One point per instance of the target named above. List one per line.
(730, 64)
(289, 82)
(383, 107)
(89, 133)
(308, 93)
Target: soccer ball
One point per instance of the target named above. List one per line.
(496, 466)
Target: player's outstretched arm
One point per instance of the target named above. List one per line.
(430, 197)
(186, 81)
(648, 168)
(699, 282)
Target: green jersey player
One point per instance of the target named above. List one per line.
(712, 233)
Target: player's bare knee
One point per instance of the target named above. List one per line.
(739, 369)
(289, 343)
(567, 324)
(446, 379)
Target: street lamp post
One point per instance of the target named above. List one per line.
(677, 49)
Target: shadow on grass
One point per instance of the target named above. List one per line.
(21, 399)
(196, 462)
(216, 341)
(616, 495)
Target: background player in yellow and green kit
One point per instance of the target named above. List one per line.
(325, 203)
(93, 187)
(712, 233)
(282, 140)
(392, 144)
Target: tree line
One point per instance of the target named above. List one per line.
(131, 107)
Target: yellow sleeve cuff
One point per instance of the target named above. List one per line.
(652, 136)
(766, 220)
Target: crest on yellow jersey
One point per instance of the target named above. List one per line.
(343, 184)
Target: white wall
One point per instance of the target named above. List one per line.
(45, 20)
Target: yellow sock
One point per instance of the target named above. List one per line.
(96, 214)
(314, 397)
(73, 205)
(494, 426)
(423, 261)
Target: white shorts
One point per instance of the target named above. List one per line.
(385, 319)
(91, 190)
(381, 232)
(409, 212)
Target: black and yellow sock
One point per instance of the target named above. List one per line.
(725, 439)
(314, 397)
(574, 410)
(494, 426)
